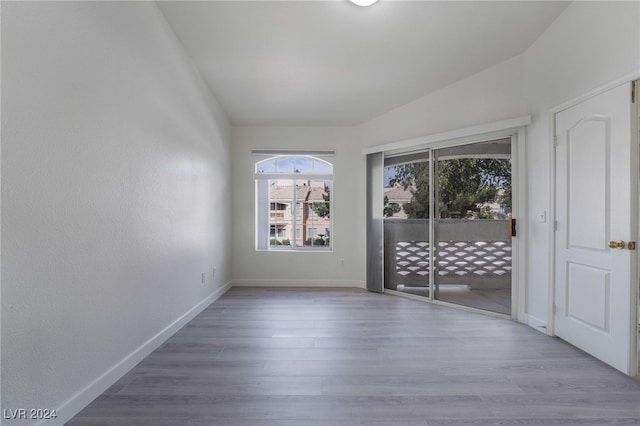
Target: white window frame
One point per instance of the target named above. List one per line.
(263, 201)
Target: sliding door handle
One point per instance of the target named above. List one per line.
(511, 227)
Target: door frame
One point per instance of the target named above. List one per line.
(516, 130)
(635, 203)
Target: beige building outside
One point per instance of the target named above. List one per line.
(312, 215)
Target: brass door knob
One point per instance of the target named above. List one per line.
(619, 244)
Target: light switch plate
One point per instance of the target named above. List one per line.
(542, 216)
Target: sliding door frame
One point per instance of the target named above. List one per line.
(514, 129)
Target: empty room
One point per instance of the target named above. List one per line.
(322, 213)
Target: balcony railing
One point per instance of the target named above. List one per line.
(476, 253)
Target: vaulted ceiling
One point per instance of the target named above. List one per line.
(333, 63)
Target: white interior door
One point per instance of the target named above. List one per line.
(596, 213)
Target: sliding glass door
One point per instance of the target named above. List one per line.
(447, 224)
(473, 206)
(407, 227)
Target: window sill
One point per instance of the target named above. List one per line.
(296, 250)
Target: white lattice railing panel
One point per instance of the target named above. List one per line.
(455, 258)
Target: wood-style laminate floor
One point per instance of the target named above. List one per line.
(329, 357)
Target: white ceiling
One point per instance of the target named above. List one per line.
(332, 63)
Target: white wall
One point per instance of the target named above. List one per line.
(590, 45)
(345, 265)
(491, 95)
(115, 190)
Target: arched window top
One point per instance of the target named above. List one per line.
(294, 165)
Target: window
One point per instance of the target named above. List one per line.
(278, 206)
(293, 203)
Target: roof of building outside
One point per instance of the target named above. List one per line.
(398, 194)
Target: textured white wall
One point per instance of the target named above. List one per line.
(115, 192)
(345, 265)
(589, 45)
(491, 95)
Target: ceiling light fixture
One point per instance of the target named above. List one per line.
(363, 3)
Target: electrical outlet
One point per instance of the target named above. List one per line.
(213, 272)
(204, 277)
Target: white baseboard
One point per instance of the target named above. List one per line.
(77, 402)
(297, 283)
